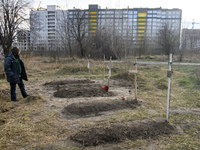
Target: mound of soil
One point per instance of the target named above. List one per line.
(84, 90)
(95, 108)
(144, 129)
(77, 88)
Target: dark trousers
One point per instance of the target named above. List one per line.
(13, 90)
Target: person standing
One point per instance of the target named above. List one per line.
(15, 72)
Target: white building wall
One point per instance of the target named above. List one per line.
(123, 21)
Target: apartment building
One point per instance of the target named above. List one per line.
(43, 26)
(133, 24)
(23, 40)
(190, 39)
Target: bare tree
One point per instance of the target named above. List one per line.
(141, 46)
(65, 34)
(168, 39)
(78, 27)
(103, 43)
(12, 15)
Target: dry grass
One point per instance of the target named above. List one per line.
(28, 125)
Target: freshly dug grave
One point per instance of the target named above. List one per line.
(83, 90)
(77, 88)
(117, 132)
(96, 108)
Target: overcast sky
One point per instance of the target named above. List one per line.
(190, 9)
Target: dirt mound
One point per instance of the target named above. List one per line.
(95, 108)
(77, 88)
(86, 90)
(118, 132)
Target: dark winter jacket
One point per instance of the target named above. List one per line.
(12, 70)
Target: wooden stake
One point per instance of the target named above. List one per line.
(110, 69)
(169, 86)
(89, 67)
(135, 68)
(103, 68)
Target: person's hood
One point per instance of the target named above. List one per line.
(11, 55)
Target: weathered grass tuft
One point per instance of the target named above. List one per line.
(33, 98)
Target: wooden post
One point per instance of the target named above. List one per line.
(135, 68)
(89, 66)
(103, 68)
(109, 70)
(169, 73)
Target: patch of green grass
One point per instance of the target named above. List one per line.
(180, 142)
(183, 118)
(136, 143)
(198, 103)
(184, 81)
(72, 70)
(193, 132)
(124, 75)
(162, 83)
(185, 69)
(131, 115)
(187, 81)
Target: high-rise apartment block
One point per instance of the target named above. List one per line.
(134, 24)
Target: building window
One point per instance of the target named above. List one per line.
(130, 12)
(130, 16)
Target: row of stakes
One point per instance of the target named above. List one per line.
(106, 88)
(127, 98)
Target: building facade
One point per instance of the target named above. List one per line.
(133, 24)
(190, 39)
(44, 26)
(23, 40)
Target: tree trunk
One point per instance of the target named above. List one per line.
(82, 50)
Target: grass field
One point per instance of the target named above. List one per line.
(36, 122)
